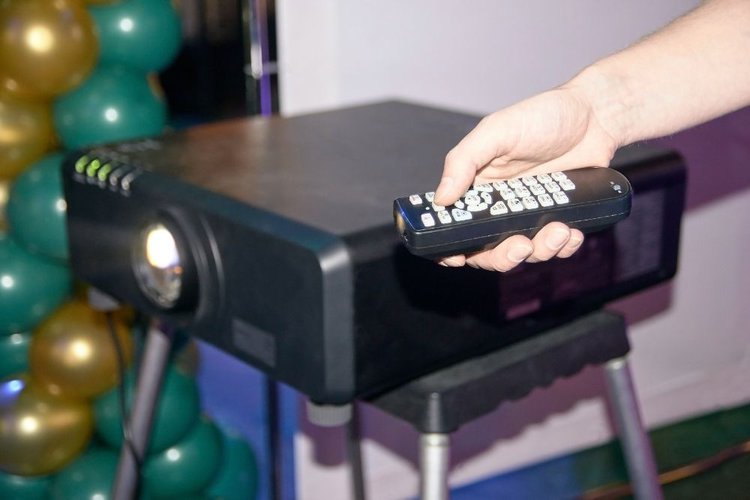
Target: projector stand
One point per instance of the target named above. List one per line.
(439, 403)
(146, 396)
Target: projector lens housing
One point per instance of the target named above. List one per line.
(163, 265)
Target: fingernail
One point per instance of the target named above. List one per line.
(451, 262)
(519, 253)
(556, 239)
(574, 243)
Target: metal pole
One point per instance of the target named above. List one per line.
(434, 457)
(639, 456)
(150, 376)
(354, 451)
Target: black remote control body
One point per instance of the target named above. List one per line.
(589, 199)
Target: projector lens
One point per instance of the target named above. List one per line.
(159, 267)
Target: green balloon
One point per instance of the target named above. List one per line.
(89, 477)
(36, 209)
(14, 355)
(176, 412)
(31, 287)
(115, 103)
(238, 475)
(187, 467)
(143, 34)
(24, 488)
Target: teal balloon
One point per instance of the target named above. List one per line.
(144, 34)
(31, 287)
(24, 487)
(36, 209)
(115, 103)
(187, 467)
(238, 474)
(14, 355)
(176, 412)
(89, 477)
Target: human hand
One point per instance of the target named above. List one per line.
(555, 130)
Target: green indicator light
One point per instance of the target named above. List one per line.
(93, 167)
(81, 164)
(104, 171)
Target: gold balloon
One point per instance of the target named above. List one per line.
(72, 354)
(47, 47)
(4, 190)
(40, 433)
(26, 133)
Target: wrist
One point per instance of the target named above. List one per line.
(610, 101)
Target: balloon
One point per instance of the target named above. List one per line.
(144, 34)
(36, 209)
(72, 353)
(115, 103)
(14, 354)
(24, 488)
(4, 190)
(31, 287)
(39, 433)
(89, 477)
(25, 132)
(47, 48)
(186, 467)
(176, 412)
(238, 475)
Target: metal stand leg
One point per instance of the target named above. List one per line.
(434, 456)
(150, 376)
(633, 437)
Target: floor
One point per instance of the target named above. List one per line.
(715, 437)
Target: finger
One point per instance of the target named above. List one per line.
(470, 155)
(453, 261)
(549, 241)
(573, 244)
(503, 257)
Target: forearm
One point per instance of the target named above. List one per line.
(693, 70)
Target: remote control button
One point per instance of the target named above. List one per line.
(538, 189)
(529, 180)
(515, 205)
(483, 188)
(546, 200)
(522, 192)
(530, 202)
(460, 215)
(415, 199)
(567, 185)
(507, 194)
(499, 185)
(480, 207)
(552, 187)
(558, 176)
(459, 204)
(515, 183)
(560, 197)
(472, 198)
(544, 178)
(428, 220)
(487, 197)
(438, 208)
(499, 208)
(429, 196)
(444, 217)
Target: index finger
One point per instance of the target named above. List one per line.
(471, 154)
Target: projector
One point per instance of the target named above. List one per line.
(273, 239)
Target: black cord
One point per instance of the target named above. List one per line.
(127, 434)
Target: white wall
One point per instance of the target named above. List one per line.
(478, 56)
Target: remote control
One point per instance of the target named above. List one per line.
(589, 199)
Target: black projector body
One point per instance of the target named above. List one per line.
(297, 266)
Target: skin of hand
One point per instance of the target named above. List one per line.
(555, 130)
